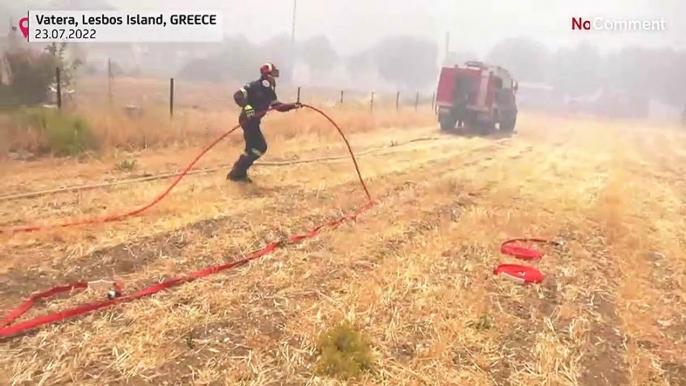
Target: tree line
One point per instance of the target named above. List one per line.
(656, 73)
(407, 62)
(412, 63)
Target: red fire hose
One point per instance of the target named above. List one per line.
(115, 295)
(520, 273)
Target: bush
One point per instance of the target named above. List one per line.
(344, 352)
(64, 134)
(31, 74)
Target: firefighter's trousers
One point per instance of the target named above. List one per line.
(255, 147)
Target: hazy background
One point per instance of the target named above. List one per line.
(400, 45)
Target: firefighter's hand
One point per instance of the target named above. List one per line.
(249, 111)
(297, 105)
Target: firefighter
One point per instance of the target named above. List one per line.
(254, 98)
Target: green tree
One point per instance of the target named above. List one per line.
(31, 73)
(68, 68)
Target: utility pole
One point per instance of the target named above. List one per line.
(447, 47)
(4, 68)
(292, 54)
(12, 37)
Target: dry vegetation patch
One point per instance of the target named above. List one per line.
(138, 117)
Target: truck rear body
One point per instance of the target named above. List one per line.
(456, 84)
(475, 93)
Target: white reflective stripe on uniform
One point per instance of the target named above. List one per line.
(257, 152)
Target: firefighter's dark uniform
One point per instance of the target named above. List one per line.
(258, 96)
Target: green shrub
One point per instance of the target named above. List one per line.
(344, 352)
(31, 74)
(65, 134)
(126, 165)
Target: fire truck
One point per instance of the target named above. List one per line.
(476, 96)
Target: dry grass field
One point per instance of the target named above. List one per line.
(137, 116)
(412, 277)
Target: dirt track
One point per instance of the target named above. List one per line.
(414, 273)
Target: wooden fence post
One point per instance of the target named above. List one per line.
(433, 99)
(372, 102)
(171, 97)
(341, 96)
(109, 81)
(397, 101)
(58, 79)
(416, 101)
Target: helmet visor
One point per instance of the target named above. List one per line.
(275, 72)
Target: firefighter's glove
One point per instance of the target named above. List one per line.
(297, 105)
(249, 111)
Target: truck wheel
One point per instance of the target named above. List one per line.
(447, 122)
(485, 128)
(508, 123)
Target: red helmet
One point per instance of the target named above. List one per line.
(269, 71)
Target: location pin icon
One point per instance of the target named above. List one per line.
(24, 26)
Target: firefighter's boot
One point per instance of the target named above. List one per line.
(239, 172)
